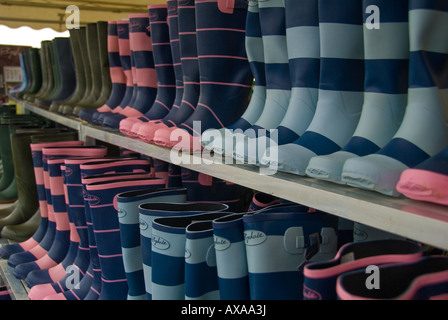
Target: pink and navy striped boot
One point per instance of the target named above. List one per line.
(124, 53)
(144, 77)
(117, 76)
(146, 130)
(58, 237)
(163, 63)
(320, 277)
(423, 279)
(423, 132)
(92, 170)
(224, 71)
(106, 228)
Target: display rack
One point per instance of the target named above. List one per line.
(424, 222)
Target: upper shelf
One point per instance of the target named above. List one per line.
(421, 221)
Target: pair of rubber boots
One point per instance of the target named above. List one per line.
(93, 276)
(31, 75)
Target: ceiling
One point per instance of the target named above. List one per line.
(39, 14)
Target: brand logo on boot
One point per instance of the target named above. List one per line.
(122, 213)
(68, 171)
(93, 200)
(359, 235)
(136, 26)
(172, 10)
(121, 30)
(153, 16)
(221, 243)
(254, 237)
(311, 294)
(160, 243)
(143, 225)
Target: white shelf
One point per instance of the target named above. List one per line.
(423, 222)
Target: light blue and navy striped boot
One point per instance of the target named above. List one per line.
(168, 246)
(278, 242)
(128, 204)
(385, 93)
(231, 261)
(423, 132)
(341, 89)
(278, 81)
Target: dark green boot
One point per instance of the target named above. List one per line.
(36, 74)
(56, 75)
(94, 62)
(47, 87)
(75, 40)
(106, 88)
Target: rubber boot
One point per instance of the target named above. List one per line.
(427, 180)
(47, 76)
(146, 77)
(202, 187)
(36, 152)
(92, 67)
(262, 200)
(385, 94)
(117, 76)
(23, 231)
(106, 84)
(56, 75)
(190, 70)
(126, 63)
(6, 155)
(278, 79)
(18, 92)
(80, 89)
(146, 130)
(291, 237)
(231, 261)
(102, 197)
(218, 89)
(36, 74)
(320, 277)
(341, 93)
(254, 50)
(168, 246)
(424, 279)
(163, 63)
(423, 131)
(128, 204)
(93, 170)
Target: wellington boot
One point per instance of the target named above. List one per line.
(46, 75)
(75, 44)
(23, 231)
(54, 90)
(6, 210)
(106, 84)
(130, 206)
(36, 74)
(168, 255)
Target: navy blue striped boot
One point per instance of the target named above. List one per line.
(225, 77)
(128, 204)
(221, 141)
(385, 93)
(163, 63)
(168, 246)
(103, 208)
(341, 89)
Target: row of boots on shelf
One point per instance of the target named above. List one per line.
(116, 227)
(355, 96)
